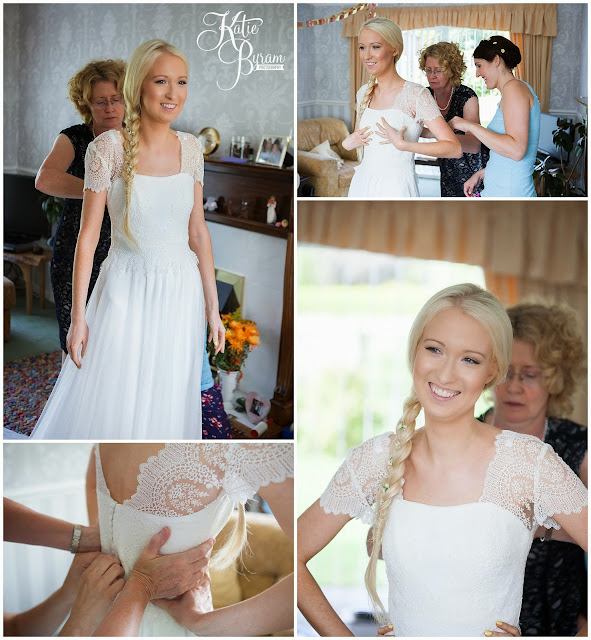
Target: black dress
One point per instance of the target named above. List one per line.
(455, 171)
(555, 584)
(64, 245)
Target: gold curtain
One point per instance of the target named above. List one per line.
(526, 249)
(531, 26)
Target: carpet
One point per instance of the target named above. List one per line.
(27, 386)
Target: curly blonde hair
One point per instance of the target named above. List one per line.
(486, 309)
(450, 58)
(80, 85)
(553, 331)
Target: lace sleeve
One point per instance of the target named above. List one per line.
(361, 93)
(426, 107)
(557, 489)
(252, 466)
(98, 163)
(192, 157)
(354, 486)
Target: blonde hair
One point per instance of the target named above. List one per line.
(486, 309)
(392, 34)
(554, 334)
(141, 61)
(450, 58)
(80, 85)
(233, 544)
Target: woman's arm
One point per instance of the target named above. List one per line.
(26, 526)
(447, 145)
(93, 211)
(471, 112)
(91, 500)
(200, 243)
(516, 106)
(52, 178)
(315, 530)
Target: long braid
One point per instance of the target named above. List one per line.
(131, 146)
(400, 448)
(366, 98)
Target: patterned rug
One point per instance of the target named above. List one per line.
(27, 385)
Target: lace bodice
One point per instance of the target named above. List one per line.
(414, 101)
(192, 489)
(455, 570)
(160, 206)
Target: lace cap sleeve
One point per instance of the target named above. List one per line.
(99, 163)
(354, 486)
(192, 157)
(557, 489)
(361, 93)
(252, 466)
(426, 107)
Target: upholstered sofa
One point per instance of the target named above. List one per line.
(267, 559)
(325, 176)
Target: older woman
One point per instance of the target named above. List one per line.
(96, 92)
(443, 64)
(547, 363)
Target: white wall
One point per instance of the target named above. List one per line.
(261, 260)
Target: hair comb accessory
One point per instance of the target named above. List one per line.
(397, 444)
(385, 487)
(494, 43)
(502, 50)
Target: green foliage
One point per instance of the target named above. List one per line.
(52, 207)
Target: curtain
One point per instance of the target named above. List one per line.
(526, 249)
(531, 26)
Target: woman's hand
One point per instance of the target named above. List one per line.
(77, 337)
(505, 630)
(100, 584)
(460, 124)
(393, 136)
(359, 138)
(216, 332)
(472, 184)
(189, 608)
(168, 576)
(386, 630)
(80, 563)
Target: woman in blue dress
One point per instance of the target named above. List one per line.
(513, 134)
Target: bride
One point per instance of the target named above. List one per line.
(395, 110)
(136, 351)
(192, 490)
(455, 542)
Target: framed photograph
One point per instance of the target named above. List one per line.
(272, 150)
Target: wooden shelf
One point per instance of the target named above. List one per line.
(248, 225)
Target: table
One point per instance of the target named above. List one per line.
(27, 261)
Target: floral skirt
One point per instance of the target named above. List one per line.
(215, 423)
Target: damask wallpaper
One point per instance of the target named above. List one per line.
(45, 44)
(323, 62)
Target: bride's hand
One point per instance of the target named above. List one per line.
(505, 630)
(386, 630)
(359, 138)
(391, 135)
(167, 576)
(189, 608)
(77, 337)
(216, 332)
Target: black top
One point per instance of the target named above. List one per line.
(455, 171)
(66, 236)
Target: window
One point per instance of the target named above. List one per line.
(467, 39)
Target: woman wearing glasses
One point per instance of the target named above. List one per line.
(443, 64)
(96, 92)
(547, 363)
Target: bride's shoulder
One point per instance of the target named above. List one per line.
(374, 450)
(189, 140)
(108, 142)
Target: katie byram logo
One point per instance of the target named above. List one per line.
(230, 38)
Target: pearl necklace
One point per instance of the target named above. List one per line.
(448, 102)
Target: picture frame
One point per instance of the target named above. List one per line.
(272, 150)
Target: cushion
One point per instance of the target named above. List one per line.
(324, 149)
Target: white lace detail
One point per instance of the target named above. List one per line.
(184, 478)
(191, 156)
(529, 480)
(103, 162)
(414, 100)
(353, 488)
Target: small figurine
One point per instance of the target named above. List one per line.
(271, 214)
(211, 204)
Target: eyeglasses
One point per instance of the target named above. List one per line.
(117, 101)
(528, 377)
(435, 72)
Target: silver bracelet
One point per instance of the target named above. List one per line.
(75, 543)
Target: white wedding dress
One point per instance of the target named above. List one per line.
(456, 570)
(386, 172)
(141, 374)
(192, 489)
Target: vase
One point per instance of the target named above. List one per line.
(228, 382)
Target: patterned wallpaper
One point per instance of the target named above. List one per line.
(45, 44)
(323, 62)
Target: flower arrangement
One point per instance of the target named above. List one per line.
(242, 337)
